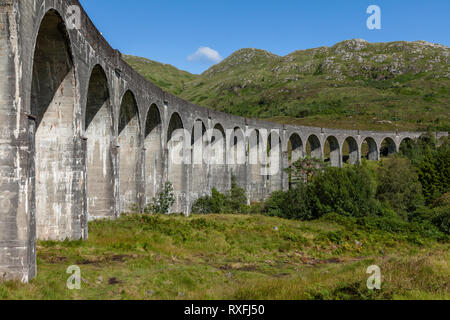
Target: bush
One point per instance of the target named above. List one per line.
(399, 186)
(163, 202)
(432, 163)
(234, 201)
(347, 191)
(438, 216)
(434, 173)
(216, 203)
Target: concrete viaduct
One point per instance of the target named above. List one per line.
(84, 136)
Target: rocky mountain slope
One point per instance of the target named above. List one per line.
(353, 84)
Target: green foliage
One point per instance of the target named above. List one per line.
(233, 202)
(432, 163)
(305, 170)
(216, 203)
(399, 186)
(163, 202)
(293, 204)
(439, 217)
(434, 173)
(348, 191)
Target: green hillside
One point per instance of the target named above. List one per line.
(353, 85)
(165, 76)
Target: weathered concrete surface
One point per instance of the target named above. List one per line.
(84, 136)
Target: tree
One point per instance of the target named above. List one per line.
(399, 186)
(163, 202)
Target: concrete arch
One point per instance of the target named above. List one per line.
(237, 156)
(99, 138)
(332, 149)
(256, 160)
(218, 156)
(54, 103)
(199, 168)
(387, 147)
(350, 147)
(153, 148)
(314, 147)
(130, 151)
(178, 157)
(295, 148)
(369, 149)
(274, 153)
(295, 151)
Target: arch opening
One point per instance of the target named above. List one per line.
(256, 176)
(406, 146)
(237, 156)
(295, 153)
(129, 131)
(99, 133)
(53, 102)
(388, 147)
(199, 156)
(314, 148)
(274, 153)
(176, 145)
(369, 150)
(350, 153)
(218, 167)
(332, 152)
(154, 164)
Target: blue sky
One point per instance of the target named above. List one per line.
(172, 31)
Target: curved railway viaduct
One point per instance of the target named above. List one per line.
(84, 136)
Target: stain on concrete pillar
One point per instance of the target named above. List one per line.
(129, 130)
(99, 134)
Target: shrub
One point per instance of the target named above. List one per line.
(348, 191)
(434, 173)
(234, 201)
(399, 186)
(216, 203)
(432, 163)
(293, 204)
(163, 202)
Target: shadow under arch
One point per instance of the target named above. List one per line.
(314, 147)
(350, 151)
(99, 133)
(295, 152)
(369, 149)
(237, 156)
(332, 151)
(274, 154)
(256, 160)
(199, 168)
(154, 163)
(218, 157)
(59, 211)
(178, 159)
(388, 147)
(129, 143)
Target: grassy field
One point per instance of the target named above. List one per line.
(238, 257)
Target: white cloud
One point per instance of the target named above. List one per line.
(205, 54)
